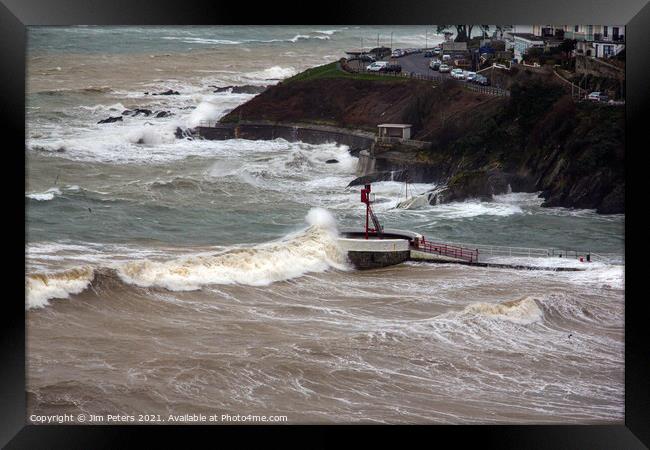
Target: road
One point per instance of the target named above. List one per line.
(415, 63)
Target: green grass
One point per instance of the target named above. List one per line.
(332, 70)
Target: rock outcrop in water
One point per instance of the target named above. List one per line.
(538, 139)
(245, 89)
(111, 120)
(167, 92)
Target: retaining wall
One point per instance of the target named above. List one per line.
(356, 140)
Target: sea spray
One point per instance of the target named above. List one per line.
(206, 111)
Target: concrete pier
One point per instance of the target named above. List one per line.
(373, 253)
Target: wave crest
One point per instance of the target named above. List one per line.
(42, 287)
(314, 249)
(524, 311)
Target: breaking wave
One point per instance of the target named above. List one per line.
(44, 196)
(42, 287)
(314, 249)
(524, 311)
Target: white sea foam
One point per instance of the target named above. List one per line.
(524, 311)
(272, 73)
(40, 288)
(191, 40)
(44, 196)
(473, 208)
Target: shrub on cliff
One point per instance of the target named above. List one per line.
(529, 101)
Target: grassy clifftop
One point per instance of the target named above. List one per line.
(330, 96)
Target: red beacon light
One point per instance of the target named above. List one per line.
(370, 215)
(365, 194)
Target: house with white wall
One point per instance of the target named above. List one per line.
(522, 42)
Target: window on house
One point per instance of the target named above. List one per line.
(605, 30)
(577, 28)
(615, 33)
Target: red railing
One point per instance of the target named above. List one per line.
(452, 251)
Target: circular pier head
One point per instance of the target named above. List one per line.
(393, 247)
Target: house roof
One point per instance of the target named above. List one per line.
(394, 125)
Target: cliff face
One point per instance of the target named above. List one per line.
(536, 140)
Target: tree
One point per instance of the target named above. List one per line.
(463, 32)
(567, 46)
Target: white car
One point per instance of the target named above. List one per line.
(444, 68)
(597, 97)
(469, 76)
(457, 74)
(377, 66)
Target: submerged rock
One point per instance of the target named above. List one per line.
(167, 92)
(331, 161)
(111, 120)
(481, 184)
(181, 133)
(161, 114)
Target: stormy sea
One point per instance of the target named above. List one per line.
(170, 275)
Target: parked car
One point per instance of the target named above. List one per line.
(481, 79)
(437, 50)
(429, 54)
(444, 68)
(398, 52)
(594, 96)
(363, 58)
(376, 66)
(469, 76)
(434, 64)
(446, 57)
(457, 74)
(597, 97)
(394, 68)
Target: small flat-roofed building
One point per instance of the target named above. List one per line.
(389, 131)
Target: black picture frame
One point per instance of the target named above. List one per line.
(16, 15)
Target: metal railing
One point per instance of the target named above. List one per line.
(452, 251)
(437, 78)
(530, 252)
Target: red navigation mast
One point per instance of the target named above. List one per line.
(370, 215)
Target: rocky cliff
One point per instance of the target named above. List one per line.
(538, 139)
